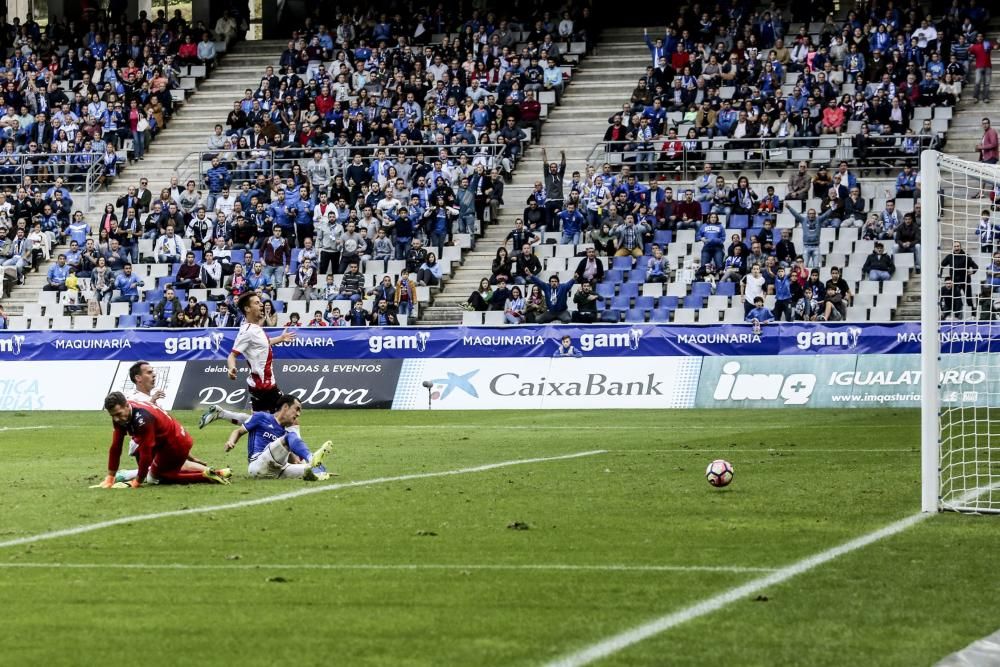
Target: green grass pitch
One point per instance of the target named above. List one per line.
(428, 571)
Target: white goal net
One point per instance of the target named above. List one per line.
(960, 318)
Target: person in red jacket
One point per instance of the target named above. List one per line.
(163, 445)
(187, 54)
(531, 112)
(979, 52)
(989, 145)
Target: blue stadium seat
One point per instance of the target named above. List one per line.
(705, 207)
(611, 316)
(128, 321)
(701, 288)
(738, 222)
(163, 281)
(182, 295)
(694, 301)
(659, 315)
(662, 237)
(212, 305)
(644, 302)
(152, 296)
(197, 256)
(621, 263)
(668, 303)
(605, 290)
(726, 289)
(637, 276)
(279, 306)
(140, 308)
(629, 289)
(621, 302)
(641, 263)
(613, 276)
(758, 220)
(635, 316)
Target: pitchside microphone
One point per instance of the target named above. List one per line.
(428, 385)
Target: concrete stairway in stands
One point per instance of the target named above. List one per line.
(602, 83)
(186, 133)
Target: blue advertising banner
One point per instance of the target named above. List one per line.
(723, 340)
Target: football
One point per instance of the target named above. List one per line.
(719, 473)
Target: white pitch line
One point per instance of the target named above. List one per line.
(985, 651)
(548, 427)
(623, 640)
(86, 528)
(553, 567)
(23, 428)
(804, 450)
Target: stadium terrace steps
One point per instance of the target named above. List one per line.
(595, 92)
(187, 132)
(965, 130)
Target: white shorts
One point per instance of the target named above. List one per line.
(270, 462)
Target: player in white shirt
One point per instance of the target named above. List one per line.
(254, 345)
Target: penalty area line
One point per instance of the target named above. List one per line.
(623, 640)
(138, 518)
(403, 567)
(23, 428)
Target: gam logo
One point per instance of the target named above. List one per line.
(630, 340)
(805, 340)
(12, 344)
(209, 343)
(416, 342)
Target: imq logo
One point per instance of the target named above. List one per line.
(12, 344)
(209, 343)
(416, 342)
(794, 389)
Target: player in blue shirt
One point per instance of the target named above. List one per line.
(274, 451)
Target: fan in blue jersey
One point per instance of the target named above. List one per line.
(274, 450)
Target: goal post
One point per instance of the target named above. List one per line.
(960, 316)
(930, 347)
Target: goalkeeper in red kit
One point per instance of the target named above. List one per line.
(163, 445)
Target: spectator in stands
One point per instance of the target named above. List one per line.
(982, 61)
(357, 316)
(988, 232)
(799, 183)
(17, 253)
(906, 183)
(783, 295)
(188, 274)
(879, 266)
(961, 267)
(383, 315)
(989, 145)
(555, 295)
(169, 247)
(276, 255)
(502, 266)
(127, 284)
(586, 305)
(513, 310)
(658, 268)
(590, 269)
(480, 298)
(352, 285)
(907, 238)
(206, 51)
(628, 238)
(845, 297)
(166, 312)
(950, 300)
(713, 236)
(56, 278)
(811, 226)
(758, 314)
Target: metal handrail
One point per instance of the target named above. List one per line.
(279, 161)
(42, 168)
(759, 154)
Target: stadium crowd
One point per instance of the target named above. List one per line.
(367, 143)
